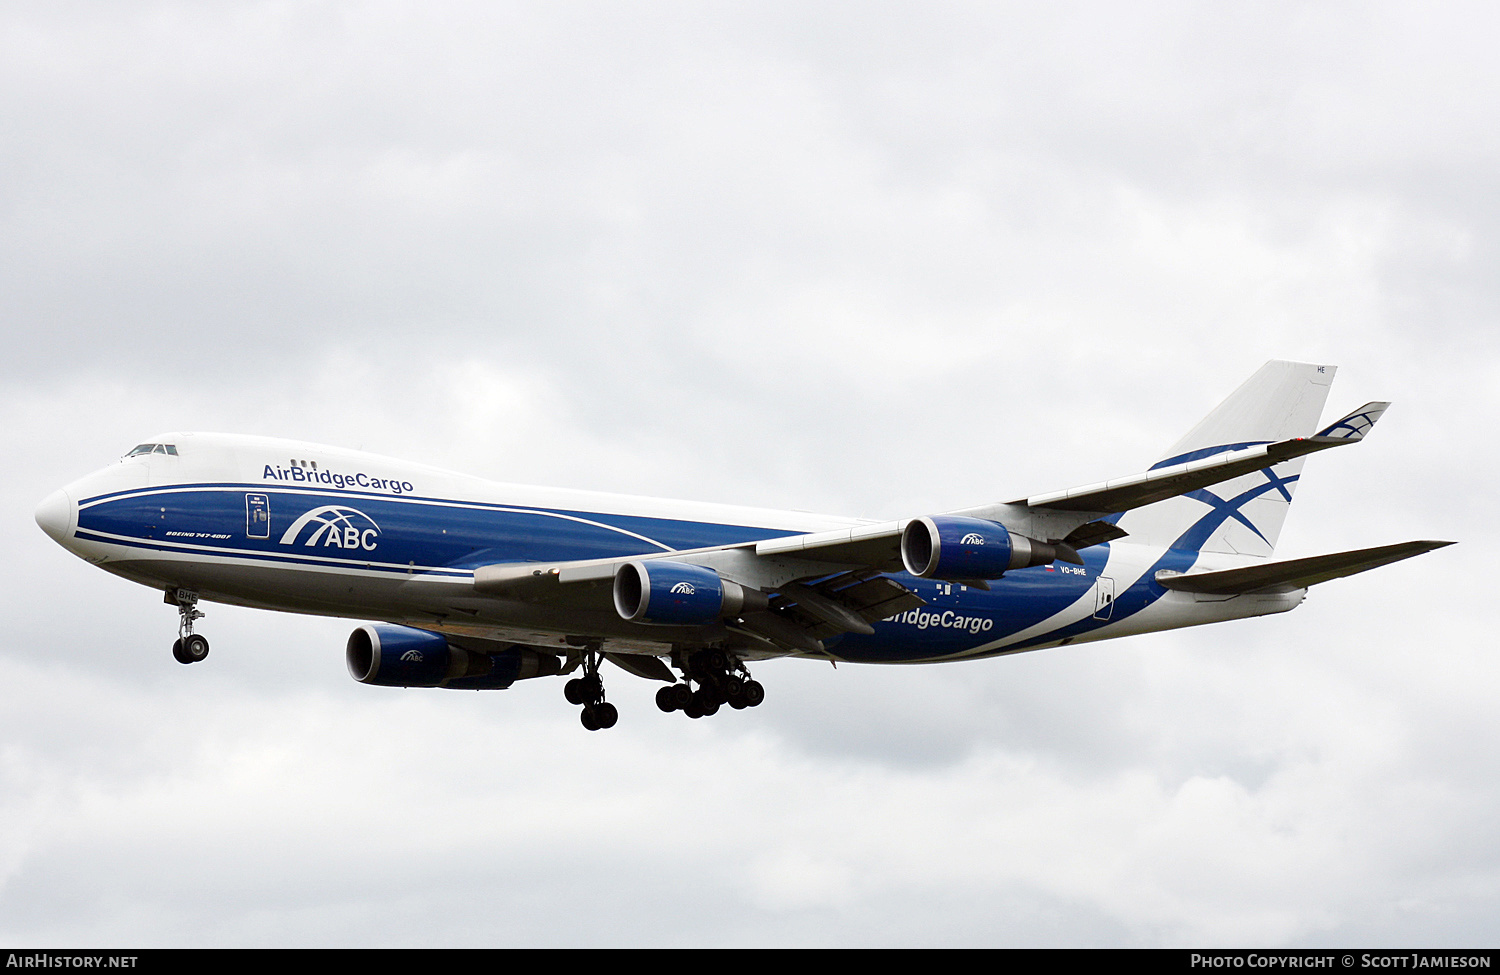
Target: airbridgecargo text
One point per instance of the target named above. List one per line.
(948, 619)
(302, 475)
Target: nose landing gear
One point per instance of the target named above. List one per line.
(190, 647)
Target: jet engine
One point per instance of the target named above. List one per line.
(403, 656)
(954, 548)
(680, 594)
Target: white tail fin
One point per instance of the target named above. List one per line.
(1243, 516)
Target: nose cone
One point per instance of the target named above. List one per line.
(55, 516)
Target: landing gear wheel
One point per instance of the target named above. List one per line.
(588, 691)
(194, 648)
(711, 678)
(189, 648)
(705, 702)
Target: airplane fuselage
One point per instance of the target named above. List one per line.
(297, 527)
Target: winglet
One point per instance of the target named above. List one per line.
(1355, 425)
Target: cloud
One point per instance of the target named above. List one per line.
(783, 256)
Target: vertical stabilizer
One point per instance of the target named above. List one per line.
(1283, 400)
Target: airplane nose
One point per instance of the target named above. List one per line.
(55, 515)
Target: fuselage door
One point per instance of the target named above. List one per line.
(1104, 598)
(257, 516)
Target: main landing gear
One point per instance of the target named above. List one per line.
(189, 647)
(588, 691)
(721, 678)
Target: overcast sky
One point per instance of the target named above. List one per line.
(874, 259)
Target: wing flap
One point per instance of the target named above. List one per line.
(1293, 574)
(877, 545)
(807, 605)
(845, 603)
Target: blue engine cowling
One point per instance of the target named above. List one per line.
(403, 656)
(954, 547)
(679, 594)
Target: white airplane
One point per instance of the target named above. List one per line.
(482, 584)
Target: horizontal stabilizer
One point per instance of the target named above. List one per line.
(1293, 574)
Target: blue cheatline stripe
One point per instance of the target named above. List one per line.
(693, 534)
(239, 553)
(473, 529)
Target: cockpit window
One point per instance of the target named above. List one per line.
(154, 448)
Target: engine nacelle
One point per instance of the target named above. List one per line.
(403, 656)
(953, 547)
(679, 594)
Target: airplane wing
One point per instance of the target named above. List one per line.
(794, 604)
(1072, 516)
(1158, 484)
(1294, 574)
(804, 588)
